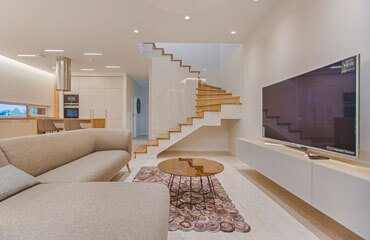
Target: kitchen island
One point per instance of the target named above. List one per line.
(25, 126)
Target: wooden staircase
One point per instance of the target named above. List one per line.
(208, 99)
(162, 51)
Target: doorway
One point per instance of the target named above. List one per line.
(140, 110)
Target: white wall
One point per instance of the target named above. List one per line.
(21, 83)
(299, 36)
(128, 112)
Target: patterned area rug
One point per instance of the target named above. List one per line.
(220, 213)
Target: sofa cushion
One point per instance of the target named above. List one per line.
(79, 211)
(3, 160)
(13, 180)
(39, 154)
(95, 167)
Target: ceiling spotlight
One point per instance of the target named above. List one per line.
(92, 54)
(53, 68)
(204, 69)
(233, 32)
(187, 17)
(113, 67)
(87, 69)
(136, 31)
(53, 50)
(27, 55)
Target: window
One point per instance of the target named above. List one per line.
(38, 111)
(13, 110)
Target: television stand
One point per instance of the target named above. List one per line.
(315, 156)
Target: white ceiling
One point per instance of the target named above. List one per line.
(106, 26)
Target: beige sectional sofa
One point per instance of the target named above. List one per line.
(54, 187)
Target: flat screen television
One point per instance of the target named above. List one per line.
(318, 109)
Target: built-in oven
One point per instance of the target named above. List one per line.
(71, 99)
(71, 106)
(71, 112)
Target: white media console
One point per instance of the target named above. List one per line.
(340, 190)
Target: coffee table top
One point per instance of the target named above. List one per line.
(191, 167)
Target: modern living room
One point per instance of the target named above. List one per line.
(243, 119)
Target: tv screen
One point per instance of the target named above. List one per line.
(318, 109)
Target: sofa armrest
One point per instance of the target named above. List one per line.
(112, 139)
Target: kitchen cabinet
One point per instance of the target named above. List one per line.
(102, 97)
(85, 103)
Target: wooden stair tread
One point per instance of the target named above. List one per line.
(163, 136)
(212, 90)
(212, 97)
(207, 85)
(208, 110)
(153, 142)
(141, 149)
(175, 129)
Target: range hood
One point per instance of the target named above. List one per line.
(63, 74)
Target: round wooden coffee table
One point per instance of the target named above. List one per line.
(191, 168)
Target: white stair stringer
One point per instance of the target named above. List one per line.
(210, 119)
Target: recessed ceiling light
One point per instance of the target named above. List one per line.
(255, 0)
(233, 32)
(204, 69)
(92, 54)
(53, 68)
(113, 67)
(136, 31)
(87, 69)
(27, 55)
(54, 50)
(187, 17)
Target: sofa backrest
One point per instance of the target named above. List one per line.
(112, 139)
(41, 153)
(3, 160)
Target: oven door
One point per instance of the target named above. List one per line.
(71, 112)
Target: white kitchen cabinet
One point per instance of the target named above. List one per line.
(85, 103)
(74, 86)
(98, 103)
(114, 104)
(102, 97)
(110, 83)
(85, 83)
(97, 82)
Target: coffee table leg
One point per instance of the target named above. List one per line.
(171, 181)
(178, 192)
(204, 197)
(191, 196)
(211, 189)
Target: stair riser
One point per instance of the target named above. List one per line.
(234, 100)
(202, 87)
(213, 97)
(211, 92)
(209, 108)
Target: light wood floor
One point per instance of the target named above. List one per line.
(270, 216)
